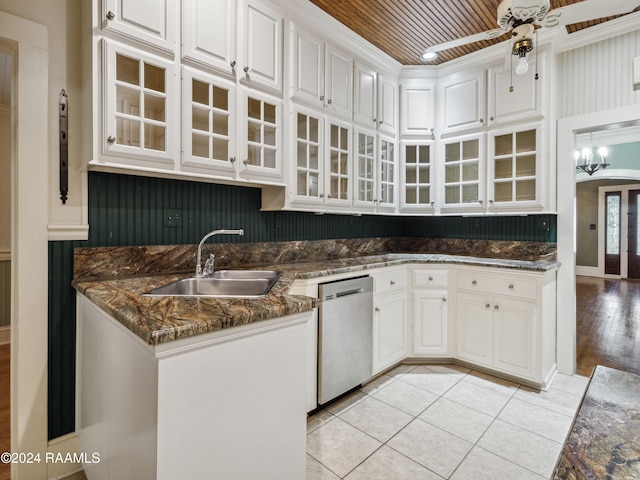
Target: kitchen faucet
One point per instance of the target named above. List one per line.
(199, 254)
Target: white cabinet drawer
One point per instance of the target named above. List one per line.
(430, 278)
(389, 281)
(497, 284)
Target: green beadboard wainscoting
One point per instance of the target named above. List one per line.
(130, 210)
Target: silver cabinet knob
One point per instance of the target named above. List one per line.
(110, 15)
(497, 307)
(111, 139)
(474, 283)
(487, 305)
(329, 101)
(444, 299)
(511, 286)
(393, 282)
(321, 98)
(481, 120)
(377, 309)
(246, 69)
(233, 64)
(491, 119)
(232, 159)
(431, 279)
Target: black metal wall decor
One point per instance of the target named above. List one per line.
(63, 112)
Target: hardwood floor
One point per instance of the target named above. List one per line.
(5, 403)
(607, 324)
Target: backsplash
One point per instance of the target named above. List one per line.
(129, 210)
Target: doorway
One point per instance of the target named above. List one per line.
(619, 256)
(7, 57)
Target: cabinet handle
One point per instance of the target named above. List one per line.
(444, 299)
(233, 64)
(474, 283)
(491, 119)
(377, 309)
(232, 159)
(321, 195)
(329, 101)
(246, 69)
(431, 279)
(487, 305)
(321, 98)
(511, 286)
(497, 307)
(491, 202)
(393, 282)
(111, 139)
(246, 161)
(480, 202)
(110, 15)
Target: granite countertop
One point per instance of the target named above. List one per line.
(605, 439)
(115, 279)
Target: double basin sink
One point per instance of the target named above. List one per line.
(221, 283)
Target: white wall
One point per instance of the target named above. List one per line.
(598, 76)
(62, 18)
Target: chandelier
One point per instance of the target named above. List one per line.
(586, 161)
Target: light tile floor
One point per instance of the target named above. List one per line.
(437, 422)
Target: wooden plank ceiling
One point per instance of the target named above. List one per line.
(405, 28)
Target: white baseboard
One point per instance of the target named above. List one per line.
(5, 335)
(63, 445)
(588, 271)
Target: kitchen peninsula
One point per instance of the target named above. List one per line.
(220, 380)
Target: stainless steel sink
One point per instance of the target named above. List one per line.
(223, 283)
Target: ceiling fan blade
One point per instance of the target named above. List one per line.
(488, 35)
(588, 10)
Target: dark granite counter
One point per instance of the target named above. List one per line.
(116, 278)
(604, 442)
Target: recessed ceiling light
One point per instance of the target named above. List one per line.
(428, 56)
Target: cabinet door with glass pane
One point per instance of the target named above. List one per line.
(140, 108)
(417, 176)
(463, 165)
(262, 122)
(387, 173)
(209, 123)
(307, 133)
(365, 195)
(514, 169)
(338, 164)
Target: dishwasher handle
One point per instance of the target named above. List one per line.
(349, 292)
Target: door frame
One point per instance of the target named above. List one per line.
(29, 241)
(566, 233)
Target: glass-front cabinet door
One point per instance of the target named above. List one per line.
(463, 174)
(262, 133)
(514, 164)
(387, 158)
(338, 166)
(140, 109)
(365, 170)
(417, 176)
(209, 123)
(307, 130)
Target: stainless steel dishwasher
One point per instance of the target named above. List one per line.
(345, 336)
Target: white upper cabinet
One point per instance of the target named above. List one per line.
(375, 102)
(140, 110)
(365, 104)
(307, 154)
(209, 33)
(462, 99)
(462, 159)
(338, 82)
(522, 102)
(418, 107)
(261, 47)
(387, 104)
(209, 123)
(307, 67)
(417, 176)
(152, 22)
(338, 164)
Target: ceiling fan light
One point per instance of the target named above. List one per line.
(428, 56)
(523, 66)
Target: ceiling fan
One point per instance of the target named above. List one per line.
(521, 17)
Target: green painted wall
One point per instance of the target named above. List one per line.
(129, 210)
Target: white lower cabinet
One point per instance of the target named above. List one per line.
(390, 329)
(506, 321)
(430, 313)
